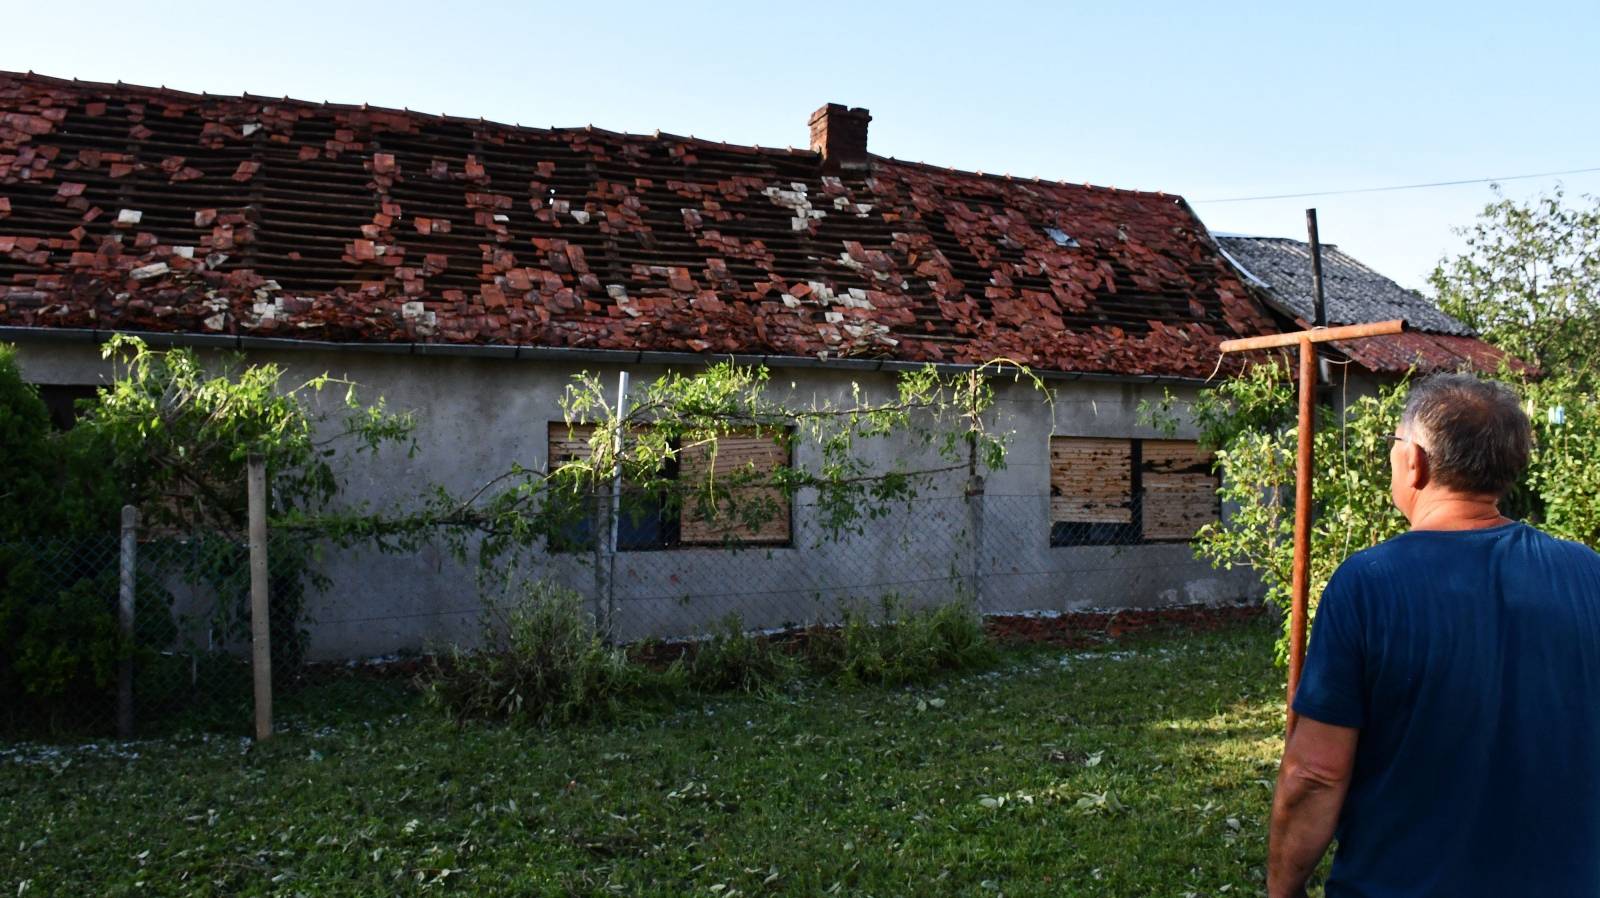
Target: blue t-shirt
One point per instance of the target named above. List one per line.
(1470, 661)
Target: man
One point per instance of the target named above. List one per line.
(1449, 712)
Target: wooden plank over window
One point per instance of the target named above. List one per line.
(1179, 489)
(1091, 480)
(736, 453)
(568, 442)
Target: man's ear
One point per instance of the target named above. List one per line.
(1417, 468)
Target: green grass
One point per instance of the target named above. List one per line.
(1141, 769)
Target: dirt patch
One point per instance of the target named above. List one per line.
(1077, 629)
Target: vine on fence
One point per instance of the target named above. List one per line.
(170, 434)
(945, 416)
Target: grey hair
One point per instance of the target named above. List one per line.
(1475, 433)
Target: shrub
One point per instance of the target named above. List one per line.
(738, 661)
(901, 647)
(541, 662)
(62, 641)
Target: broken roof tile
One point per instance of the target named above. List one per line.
(611, 240)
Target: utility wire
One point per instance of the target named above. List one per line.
(1295, 196)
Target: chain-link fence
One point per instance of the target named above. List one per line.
(140, 632)
(183, 657)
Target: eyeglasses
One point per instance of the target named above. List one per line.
(1393, 438)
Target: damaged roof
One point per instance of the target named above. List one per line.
(1280, 268)
(150, 209)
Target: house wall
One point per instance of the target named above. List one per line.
(476, 416)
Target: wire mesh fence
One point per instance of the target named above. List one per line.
(183, 659)
(139, 632)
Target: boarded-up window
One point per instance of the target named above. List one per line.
(1121, 492)
(750, 514)
(758, 515)
(568, 442)
(1091, 481)
(1178, 489)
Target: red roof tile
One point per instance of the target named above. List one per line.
(151, 209)
(1429, 353)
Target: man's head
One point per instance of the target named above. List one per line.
(1461, 437)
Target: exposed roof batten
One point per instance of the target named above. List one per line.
(155, 210)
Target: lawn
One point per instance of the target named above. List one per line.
(1142, 768)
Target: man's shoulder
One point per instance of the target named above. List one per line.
(1571, 550)
(1390, 551)
(1400, 550)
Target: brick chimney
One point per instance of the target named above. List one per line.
(839, 133)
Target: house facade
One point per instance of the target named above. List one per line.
(467, 270)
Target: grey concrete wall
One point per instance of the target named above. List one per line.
(477, 416)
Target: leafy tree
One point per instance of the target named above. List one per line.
(1529, 282)
(24, 462)
(175, 434)
(1250, 423)
(171, 436)
(1562, 487)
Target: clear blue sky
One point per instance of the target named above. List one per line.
(1200, 99)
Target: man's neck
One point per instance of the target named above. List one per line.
(1455, 511)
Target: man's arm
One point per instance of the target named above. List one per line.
(1312, 782)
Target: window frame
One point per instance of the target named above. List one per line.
(1120, 534)
(669, 525)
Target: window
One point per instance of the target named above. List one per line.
(1179, 489)
(61, 400)
(648, 522)
(755, 515)
(643, 523)
(1125, 492)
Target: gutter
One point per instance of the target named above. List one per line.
(521, 352)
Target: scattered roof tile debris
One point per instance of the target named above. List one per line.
(141, 208)
(1280, 268)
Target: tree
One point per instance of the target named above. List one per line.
(1249, 422)
(1529, 283)
(175, 434)
(169, 435)
(25, 465)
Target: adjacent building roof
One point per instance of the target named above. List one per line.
(1280, 268)
(141, 208)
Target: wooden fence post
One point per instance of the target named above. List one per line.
(260, 621)
(127, 580)
(975, 522)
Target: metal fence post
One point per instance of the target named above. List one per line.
(613, 543)
(260, 623)
(127, 580)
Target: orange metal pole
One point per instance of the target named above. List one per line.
(1320, 335)
(1301, 585)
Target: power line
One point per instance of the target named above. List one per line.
(1295, 196)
